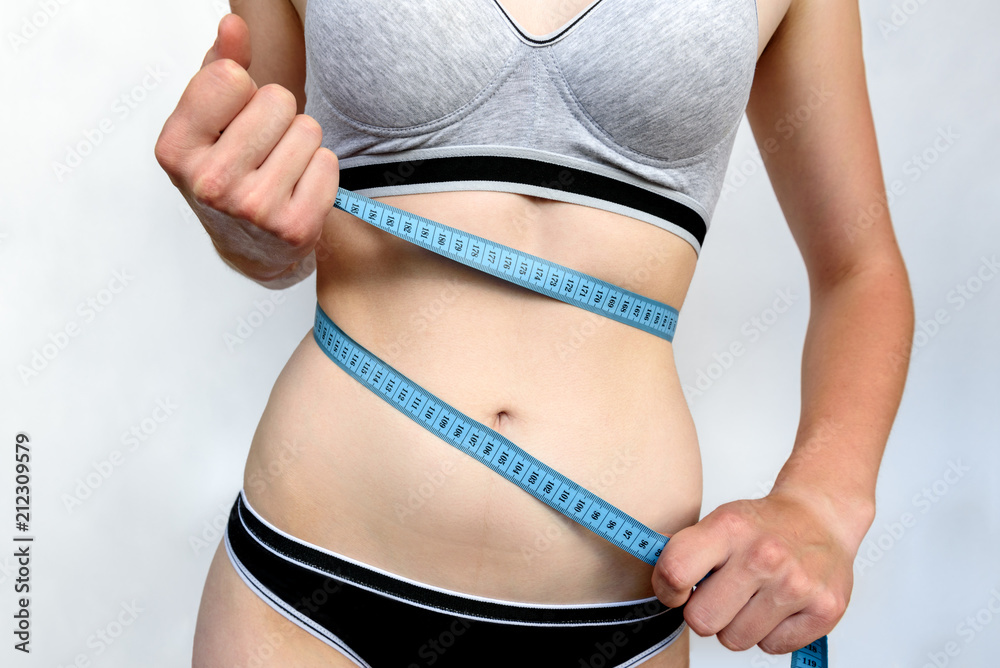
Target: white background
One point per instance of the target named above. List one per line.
(134, 540)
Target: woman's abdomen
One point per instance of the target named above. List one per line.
(597, 400)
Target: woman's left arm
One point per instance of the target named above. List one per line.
(785, 562)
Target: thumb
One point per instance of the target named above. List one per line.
(688, 556)
(232, 42)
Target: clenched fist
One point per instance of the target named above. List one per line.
(251, 168)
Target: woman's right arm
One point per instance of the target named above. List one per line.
(251, 167)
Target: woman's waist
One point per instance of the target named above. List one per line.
(334, 464)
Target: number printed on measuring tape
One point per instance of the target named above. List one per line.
(813, 655)
(517, 267)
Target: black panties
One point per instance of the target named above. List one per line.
(379, 619)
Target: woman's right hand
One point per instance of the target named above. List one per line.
(252, 169)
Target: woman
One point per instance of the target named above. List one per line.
(594, 134)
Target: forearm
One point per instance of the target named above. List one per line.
(853, 371)
(292, 275)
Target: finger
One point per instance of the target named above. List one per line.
(779, 599)
(212, 99)
(298, 220)
(256, 130)
(795, 632)
(287, 161)
(232, 41)
(719, 600)
(751, 624)
(817, 617)
(688, 556)
(318, 184)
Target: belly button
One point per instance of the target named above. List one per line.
(501, 420)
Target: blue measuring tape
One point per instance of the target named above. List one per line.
(528, 271)
(476, 439)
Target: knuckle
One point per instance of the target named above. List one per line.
(329, 155)
(797, 587)
(299, 235)
(310, 127)
(700, 620)
(165, 154)
(672, 573)
(329, 165)
(229, 73)
(731, 520)
(771, 646)
(169, 150)
(733, 641)
(167, 158)
(252, 206)
(279, 99)
(829, 607)
(767, 555)
(211, 188)
(296, 228)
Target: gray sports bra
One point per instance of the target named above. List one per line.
(631, 107)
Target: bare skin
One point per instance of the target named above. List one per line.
(609, 409)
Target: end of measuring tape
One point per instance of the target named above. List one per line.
(813, 655)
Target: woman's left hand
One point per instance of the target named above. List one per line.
(782, 572)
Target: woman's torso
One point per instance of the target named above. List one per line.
(599, 401)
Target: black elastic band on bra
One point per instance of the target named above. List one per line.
(509, 169)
